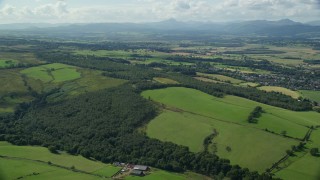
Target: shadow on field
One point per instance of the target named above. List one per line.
(1, 175)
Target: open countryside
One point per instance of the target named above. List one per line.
(184, 90)
(187, 108)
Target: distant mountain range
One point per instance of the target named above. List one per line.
(285, 27)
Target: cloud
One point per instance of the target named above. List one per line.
(56, 11)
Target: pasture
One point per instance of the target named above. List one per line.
(165, 175)
(246, 144)
(236, 110)
(293, 94)
(24, 169)
(30, 153)
(189, 108)
(303, 165)
(221, 78)
(7, 63)
(249, 84)
(52, 73)
(312, 95)
(165, 80)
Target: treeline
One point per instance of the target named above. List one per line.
(255, 114)
(103, 125)
(113, 67)
(249, 63)
(219, 89)
(312, 61)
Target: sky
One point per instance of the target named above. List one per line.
(95, 11)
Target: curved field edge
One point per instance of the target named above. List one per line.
(312, 95)
(285, 91)
(235, 110)
(191, 115)
(246, 144)
(63, 159)
(30, 162)
(303, 165)
(23, 169)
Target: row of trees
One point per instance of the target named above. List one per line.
(255, 114)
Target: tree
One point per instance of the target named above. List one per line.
(283, 133)
(53, 149)
(314, 151)
(289, 152)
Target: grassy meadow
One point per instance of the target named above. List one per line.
(312, 95)
(293, 94)
(30, 154)
(164, 175)
(189, 108)
(52, 73)
(165, 80)
(303, 165)
(30, 170)
(71, 81)
(221, 78)
(7, 63)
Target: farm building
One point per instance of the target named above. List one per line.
(141, 168)
(137, 173)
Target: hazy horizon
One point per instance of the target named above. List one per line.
(137, 11)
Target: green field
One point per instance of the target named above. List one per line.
(24, 169)
(249, 84)
(30, 162)
(52, 73)
(7, 63)
(221, 78)
(188, 108)
(164, 175)
(236, 110)
(282, 90)
(207, 80)
(165, 80)
(303, 165)
(12, 91)
(312, 95)
(29, 155)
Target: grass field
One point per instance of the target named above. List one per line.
(207, 80)
(235, 109)
(188, 108)
(312, 95)
(165, 80)
(247, 144)
(282, 90)
(52, 73)
(7, 63)
(12, 91)
(22, 161)
(303, 165)
(90, 81)
(249, 84)
(23, 169)
(164, 175)
(43, 154)
(221, 78)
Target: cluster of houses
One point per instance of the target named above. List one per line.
(135, 170)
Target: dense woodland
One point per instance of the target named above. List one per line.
(104, 126)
